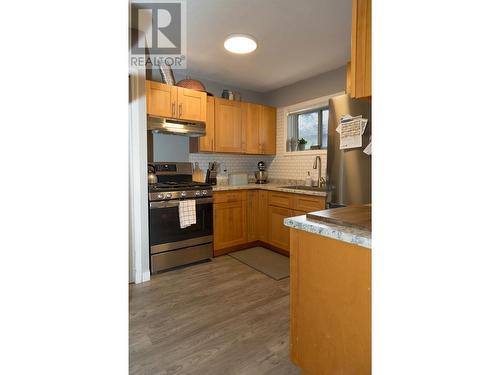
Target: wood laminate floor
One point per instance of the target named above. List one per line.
(220, 317)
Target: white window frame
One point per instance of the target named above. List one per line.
(299, 107)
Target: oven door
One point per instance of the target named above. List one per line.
(165, 232)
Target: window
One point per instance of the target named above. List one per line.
(310, 125)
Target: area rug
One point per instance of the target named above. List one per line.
(268, 262)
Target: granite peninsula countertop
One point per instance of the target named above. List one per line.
(270, 186)
(337, 232)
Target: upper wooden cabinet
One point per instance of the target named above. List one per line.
(251, 116)
(175, 102)
(259, 129)
(192, 105)
(361, 49)
(228, 129)
(267, 130)
(206, 143)
(160, 99)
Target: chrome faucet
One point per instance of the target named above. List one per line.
(321, 181)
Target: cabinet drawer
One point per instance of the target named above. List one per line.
(309, 203)
(280, 199)
(229, 196)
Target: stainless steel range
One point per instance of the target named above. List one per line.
(169, 244)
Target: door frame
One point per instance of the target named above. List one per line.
(138, 186)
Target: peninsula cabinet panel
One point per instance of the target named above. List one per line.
(267, 131)
(330, 305)
(161, 99)
(192, 105)
(230, 225)
(228, 129)
(361, 49)
(251, 119)
(279, 234)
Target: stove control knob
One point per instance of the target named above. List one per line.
(159, 196)
(197, 193)
(168, 195)
(204, 192)
(183, 194)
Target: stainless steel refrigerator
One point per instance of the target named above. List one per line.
(349, 171)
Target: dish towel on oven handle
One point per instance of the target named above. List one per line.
(187, 213)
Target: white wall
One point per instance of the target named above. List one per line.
(308, 89)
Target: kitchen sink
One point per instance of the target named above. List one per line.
(302, 187)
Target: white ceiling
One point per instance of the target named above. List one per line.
(297, 39)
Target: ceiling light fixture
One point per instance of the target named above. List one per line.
(240, 43)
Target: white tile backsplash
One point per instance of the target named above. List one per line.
(231, 163)
(279, 167)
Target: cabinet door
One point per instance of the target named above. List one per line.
(361, 49)
(253, 216)
(279, 234)
(161, 99)
(207, 142)
(230, 224)
(263, 216)
(267, 130)
(228, 133)
(192, 105)
(250, 124)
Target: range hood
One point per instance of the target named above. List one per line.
(171, 126)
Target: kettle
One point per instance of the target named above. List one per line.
(152, 178)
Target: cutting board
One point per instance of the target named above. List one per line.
(351, 216)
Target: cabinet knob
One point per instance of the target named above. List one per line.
(180, 110)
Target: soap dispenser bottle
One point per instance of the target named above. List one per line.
(308, 179)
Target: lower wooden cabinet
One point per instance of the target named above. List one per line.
(279, 234)
(253, 211)
(246, 216)
(230, 224)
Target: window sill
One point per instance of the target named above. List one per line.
(306, 153)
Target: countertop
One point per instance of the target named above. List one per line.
(270, 186)
(337, 232)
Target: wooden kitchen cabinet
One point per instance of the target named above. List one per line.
(279, 234)
(174, 102)
(267, 131)
(161, 99)
(253, 215)
(230, 219)
(228, 129)
(206, 143)
(242, 217)
(192, 105)
(259, 129)
(263, 216)
(308, 203)
(361, 50)
(251, 117)
(230, 225)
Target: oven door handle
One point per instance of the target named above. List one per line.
(175, 203)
